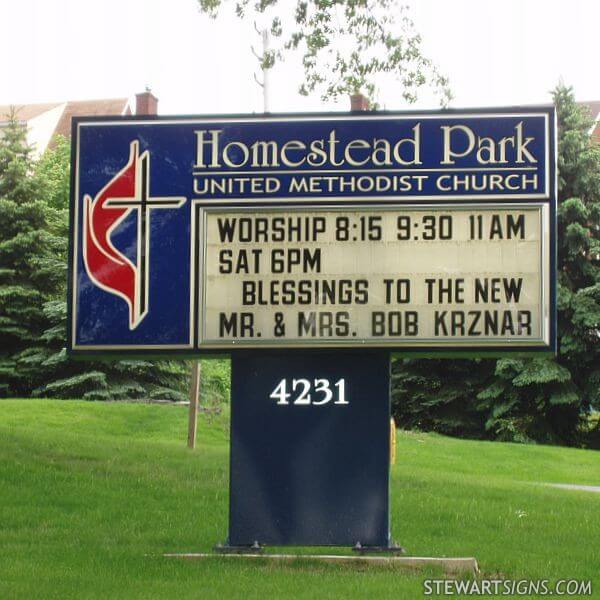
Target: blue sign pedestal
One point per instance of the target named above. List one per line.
(310, 449)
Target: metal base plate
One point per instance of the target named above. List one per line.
(225, 548)
(392, 548)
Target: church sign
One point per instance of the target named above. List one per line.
(430, 231)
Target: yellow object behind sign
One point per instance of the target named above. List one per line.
(392, 441)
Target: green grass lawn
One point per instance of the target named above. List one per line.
(92, 494)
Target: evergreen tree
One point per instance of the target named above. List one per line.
(33, 259)
(100, 380)
(544, 399)
(26, 281)
(54, 373)
(430, 395)
(541, 399)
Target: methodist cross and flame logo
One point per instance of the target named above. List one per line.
(108, 268)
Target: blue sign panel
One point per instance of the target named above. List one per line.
(178, 224)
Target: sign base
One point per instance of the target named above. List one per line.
(256, 548)
(310, 449)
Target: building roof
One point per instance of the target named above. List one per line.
(109, 107)
(91, 108)
(26, 112)
(593, 106)
(48, 120)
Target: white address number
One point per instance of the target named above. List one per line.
(305, 392)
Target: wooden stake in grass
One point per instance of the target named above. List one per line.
(193, 413)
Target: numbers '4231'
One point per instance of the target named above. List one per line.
(305, 392)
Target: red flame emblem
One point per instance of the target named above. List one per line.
(107, 267)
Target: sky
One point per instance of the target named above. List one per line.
(495, 53)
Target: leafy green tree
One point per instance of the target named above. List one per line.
(347, 46)
(541, 399)
(53, 169)
(215, 383)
